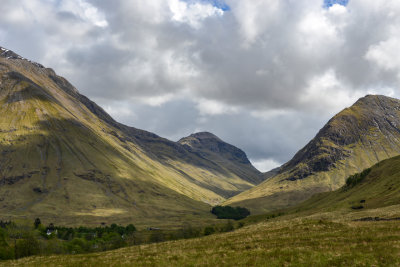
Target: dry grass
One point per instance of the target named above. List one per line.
(280, 242)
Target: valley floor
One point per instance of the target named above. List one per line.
(325, 239)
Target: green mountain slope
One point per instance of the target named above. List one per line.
(354, 139)
(64, 159)
(379, 188)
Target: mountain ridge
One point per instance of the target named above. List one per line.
(354, 139)
(62, 154)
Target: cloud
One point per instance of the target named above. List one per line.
(385, 55)
(264, 74)
(266, 164)
(210, 107)
(84, 11)
(193, 13)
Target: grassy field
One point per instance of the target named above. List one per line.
(278, 242)
(323, 231)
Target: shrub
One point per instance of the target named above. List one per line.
(156, 236)
(113, 240)
(209, 230)
(77, 245)
(27, 247)
(228, 227)
(189, 231)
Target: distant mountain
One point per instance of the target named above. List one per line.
(354, 139)
(209, 146)
(64, 159)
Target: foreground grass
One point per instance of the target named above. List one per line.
(299, 242)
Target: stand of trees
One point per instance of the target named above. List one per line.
(357, 178)
(228, 212)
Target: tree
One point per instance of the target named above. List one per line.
(130, 229)
(6, 252)
(37, 223)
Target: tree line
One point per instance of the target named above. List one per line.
(19, 240)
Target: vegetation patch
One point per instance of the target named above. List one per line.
(357, 178)
(23, 239)
(228, 212)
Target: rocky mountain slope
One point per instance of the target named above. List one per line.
(63, 158)
(354, 139)
(209, 146)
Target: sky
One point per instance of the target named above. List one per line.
(263, 75)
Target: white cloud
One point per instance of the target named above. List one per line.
(386, 54)
(211, 107)
(85, 11)
(327, 94)
(118, 110)
(157, 101)
(265, 165)
(316, 32)
(255, 17)
(192, 13)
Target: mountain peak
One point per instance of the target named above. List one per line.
(205, 135)
(8, 54)
(376, 101)
(212, 147)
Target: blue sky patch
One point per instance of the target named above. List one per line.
(329, 3)
(217, 3)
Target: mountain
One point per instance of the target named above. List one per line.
(209, 146)
(354, 139)
(64, 159)
(374, 188)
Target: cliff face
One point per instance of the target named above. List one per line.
(354, 139)
(62, 157)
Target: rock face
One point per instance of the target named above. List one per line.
(354, 139)
(64, 159)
